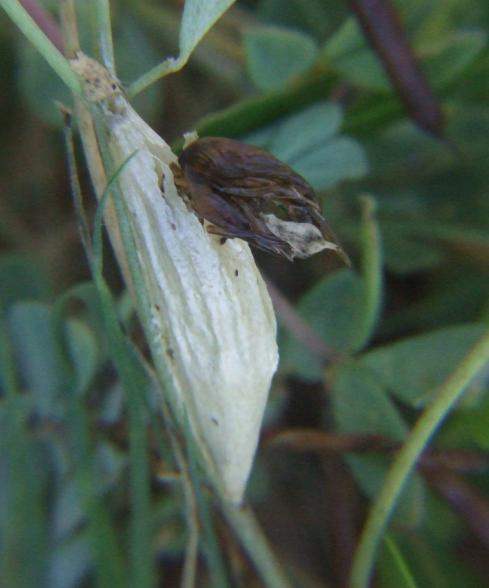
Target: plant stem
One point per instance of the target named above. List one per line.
(255, 544)
(41, 42)
(101, 27)
(153, 75)
(371, 271)
(449, 393)
(402, 568)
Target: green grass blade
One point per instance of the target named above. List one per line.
(371, 272)
(431, 419)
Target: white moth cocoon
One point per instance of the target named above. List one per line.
(211, 316)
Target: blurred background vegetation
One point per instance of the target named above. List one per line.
(89, 493)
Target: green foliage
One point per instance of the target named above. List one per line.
(51, 366)
(334, 309)
(135, 53)
(347, 51)
(468, 427)
(35, 349)
(427, 563)
(39, 86)
(198, 17)
(342, 309)
(306, 146)
(21, 278)
(81, 429)
(445, 53)
(393, 568)
(362, 406)
(276, 56)
(413, 369)
(312, 17)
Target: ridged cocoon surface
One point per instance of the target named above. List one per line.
(211, 315)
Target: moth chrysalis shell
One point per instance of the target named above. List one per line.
(246, 192)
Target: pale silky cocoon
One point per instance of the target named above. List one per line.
(211, 318)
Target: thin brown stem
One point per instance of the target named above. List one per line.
(325, 442)
(383, 30)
